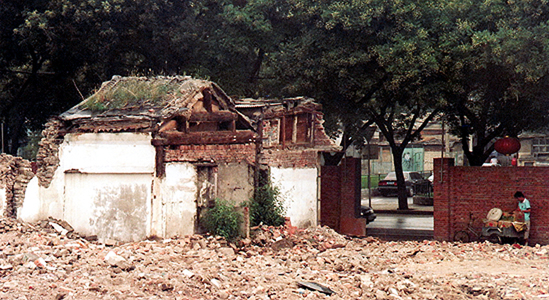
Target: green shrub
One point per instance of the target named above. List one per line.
(267, 207)
(223, 220)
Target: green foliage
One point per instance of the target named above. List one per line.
(223, 220)
(30, 150)
(486, 63)
(132, 93)
(374, 180)
(267, 206)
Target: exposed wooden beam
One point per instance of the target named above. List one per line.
(218, 116)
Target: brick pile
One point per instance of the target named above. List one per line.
(38, 261)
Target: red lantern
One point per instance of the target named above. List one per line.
(507, 145)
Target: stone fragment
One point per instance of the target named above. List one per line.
(114, 259)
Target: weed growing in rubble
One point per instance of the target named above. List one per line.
(267, 206)
(223, 220)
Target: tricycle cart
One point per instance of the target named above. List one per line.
(502, 230)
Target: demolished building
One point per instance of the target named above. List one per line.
(144, 156)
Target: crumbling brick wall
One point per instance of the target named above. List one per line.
(228, 153)
(15, 174)
(47, 158)
(460, 191)
(290, 158)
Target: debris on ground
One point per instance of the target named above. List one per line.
(42, 261)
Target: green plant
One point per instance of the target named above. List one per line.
(223, 220)
(374, 180)
(134, 92)
(267, 206)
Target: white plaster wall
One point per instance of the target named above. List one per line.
(299, 190)
(111, 206)
(104, 159)
(108, 153)
(30, 210)
(178, 192)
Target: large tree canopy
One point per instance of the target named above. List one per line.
(399, 63)
(54, 52)
(368, 62)
(393, 63)
(497, 70)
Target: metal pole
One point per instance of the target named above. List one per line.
(2, 130)
(369, 189)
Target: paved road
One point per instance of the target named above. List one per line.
(379, 203)
(400, 221)
(399, 226)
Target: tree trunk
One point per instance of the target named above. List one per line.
(401, 185)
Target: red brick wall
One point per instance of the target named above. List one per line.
(216, 153)
(340, 197)
(244, 152)
(330, 196)
(291, 158)
(459, 191)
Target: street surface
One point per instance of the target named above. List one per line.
(417, 224)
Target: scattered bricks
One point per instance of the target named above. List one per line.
(40, 261)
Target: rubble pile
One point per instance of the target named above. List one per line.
(42, 261)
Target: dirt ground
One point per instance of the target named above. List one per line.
(38, 261)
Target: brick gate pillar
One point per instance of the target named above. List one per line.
(340, 197)
(442, 208)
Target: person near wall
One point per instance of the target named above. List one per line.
(524, 207)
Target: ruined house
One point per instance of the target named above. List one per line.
(145, 156)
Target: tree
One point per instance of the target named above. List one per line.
(399, 64)
(498, 72)
(367, 62)
(56, 52)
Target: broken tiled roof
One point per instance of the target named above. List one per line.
(146, 97)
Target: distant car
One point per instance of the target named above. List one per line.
(368, 214)
(414, 183)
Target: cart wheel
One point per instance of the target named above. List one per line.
(494, 238)
(462, 237)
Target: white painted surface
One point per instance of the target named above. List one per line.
(111, 206)
(30, 210)
(52, 199)
(299, 190)
(102, 186)
(178, 192)
(108, 153)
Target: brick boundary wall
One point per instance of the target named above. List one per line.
(459, 191)
(340, 198)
